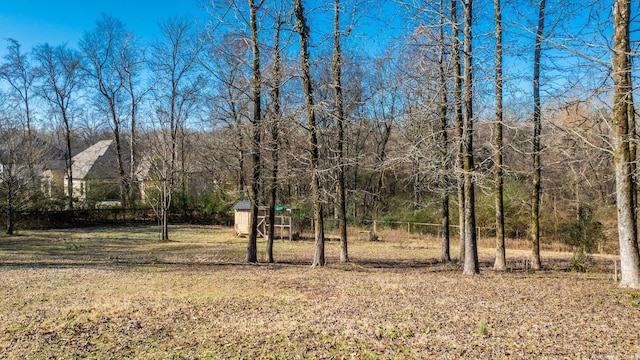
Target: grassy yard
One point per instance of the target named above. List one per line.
(115, 293)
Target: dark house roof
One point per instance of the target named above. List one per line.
(45, 155)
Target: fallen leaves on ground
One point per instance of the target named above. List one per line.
(415, 309)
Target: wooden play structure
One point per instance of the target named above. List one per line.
(283, 221)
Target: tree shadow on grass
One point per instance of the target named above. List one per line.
(110, 247)
(397, 263)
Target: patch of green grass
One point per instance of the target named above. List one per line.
(74, 246)
(483, 328)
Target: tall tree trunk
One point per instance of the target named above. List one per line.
(382, 156)
(457, 96)
(239, 145)
(252, 249)
(275, 130)
(124, 187)
(633, 144)
(60, 75)
(627, 227)
(501, 259)
(444, 146)
(318, 221)
(471, 265)
(166, 200)
(339, 109)
(169, 179)
(133, 181)
(184, 178)
(69, 162)
(165, 217)
(9, 208)
(536, 264)
(134, 102)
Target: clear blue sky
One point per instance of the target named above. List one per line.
(34, 22)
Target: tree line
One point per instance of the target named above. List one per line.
(503, 114)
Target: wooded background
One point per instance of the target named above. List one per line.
(395, 111)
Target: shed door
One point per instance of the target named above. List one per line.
(242, 222)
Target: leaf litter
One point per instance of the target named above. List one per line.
(408, 308)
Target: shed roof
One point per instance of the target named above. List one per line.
(246, 205)
(243, 205)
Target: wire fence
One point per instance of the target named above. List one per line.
(411, 228)
(520, 239)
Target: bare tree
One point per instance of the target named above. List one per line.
(537, 127)
(178, 85)
(103, 48)
(340, 120)
(627, 221)
(501, 261)
(133, 61)
(20, 75)
(457, 98)
(256, 84)
(230, 104)
(303, 32)
(15, 170)
(60, 78)
(444, 140)
(471, 265)
(275, 132)
(385, 105)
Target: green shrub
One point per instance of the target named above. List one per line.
(584, 233)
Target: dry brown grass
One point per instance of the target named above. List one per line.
(120, 293)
